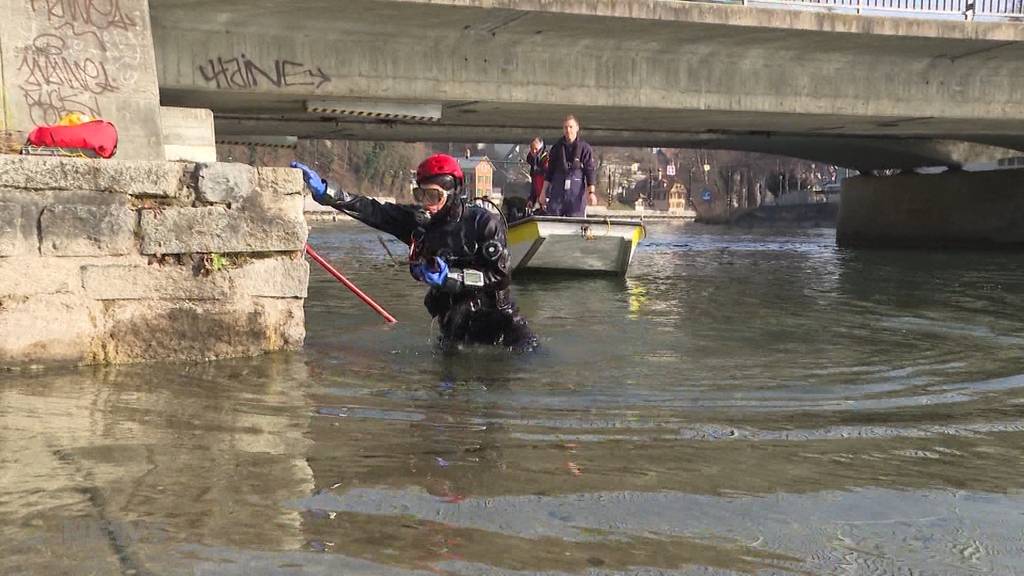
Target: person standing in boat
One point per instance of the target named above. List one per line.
(458, 249)
(537, 158)
(571, 179)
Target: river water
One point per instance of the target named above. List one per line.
(742, 403)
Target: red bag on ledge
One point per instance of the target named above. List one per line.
(98, 136)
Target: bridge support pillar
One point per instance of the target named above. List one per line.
(953, 209)
(189, 134)
(63, 57)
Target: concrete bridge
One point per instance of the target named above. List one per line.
(853, 90)
(857, 91)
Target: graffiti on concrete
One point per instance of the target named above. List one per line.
(85, 17)
(81, 54)
(243, 73)
(56, 82)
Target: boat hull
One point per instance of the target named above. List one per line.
(585, 245)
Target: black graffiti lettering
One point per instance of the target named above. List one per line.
(85, 17)
(56, 83)
(44, 64)
(226, 73)
(237, 76)
(95, 75)
(242, 72)
(215, 73)
(252, 69)
(47, 105)
(57, 80)
(48, 45)
(324, 78)
(288, 77)
(85, 14)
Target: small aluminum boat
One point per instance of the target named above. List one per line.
(589, 245)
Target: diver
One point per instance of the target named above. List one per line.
(457, 248)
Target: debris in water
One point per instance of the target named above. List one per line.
(328, 411)
(320, 546)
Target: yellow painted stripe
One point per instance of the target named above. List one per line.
(638, 235)
(526, 232)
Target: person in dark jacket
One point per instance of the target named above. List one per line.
(571, 179)
(456, 248)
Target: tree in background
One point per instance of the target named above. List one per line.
(384, 169)
(370, 168)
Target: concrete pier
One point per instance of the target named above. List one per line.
(188, 134)
(91, 58)
(956, 209)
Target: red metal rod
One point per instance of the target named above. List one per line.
(348, 284)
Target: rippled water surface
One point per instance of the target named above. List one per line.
(742, 403)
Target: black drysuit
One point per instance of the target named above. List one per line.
(466, 237)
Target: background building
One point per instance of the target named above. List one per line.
(479, 176)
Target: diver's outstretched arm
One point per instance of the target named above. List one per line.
(399, 221)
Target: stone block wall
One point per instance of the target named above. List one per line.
(124, 261)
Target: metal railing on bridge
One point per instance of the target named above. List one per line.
(947, 9)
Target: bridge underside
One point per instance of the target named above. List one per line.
(505, 123)
(860, 92)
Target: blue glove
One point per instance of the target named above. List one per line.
(435, 277)
(313, 181)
